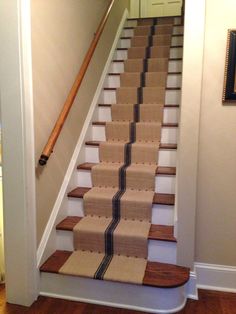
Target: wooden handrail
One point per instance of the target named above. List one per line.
(48, 149)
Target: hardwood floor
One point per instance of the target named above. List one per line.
(210, 302)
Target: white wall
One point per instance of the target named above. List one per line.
(216, 197)
(62, 31)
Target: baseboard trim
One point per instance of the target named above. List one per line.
(216, 277)
(191, 287)
(45, 249)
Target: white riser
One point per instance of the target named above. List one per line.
(158, 251)
(126, 42)
(162, 251)
(175, 66)
(130, 32)
(118, 67)
(177, 40)
(173, 80)
(164, 183)
(118, 295)
(161, 214)
(176, 52)
(173, 97)
(171, 115)
(109, 97)
(122, 54)
(167, 158)
(133, 23)
(168, 135)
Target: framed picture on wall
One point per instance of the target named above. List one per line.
(229, 92)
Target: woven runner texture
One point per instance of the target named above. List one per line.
(111, 241)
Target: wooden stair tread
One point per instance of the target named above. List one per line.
(167, 88)
(156, 275)
(148, 18)
(162, 145)
(132, 27)
(162, 233)
(160, 170)
(174, 46)
(170, 59)
(165, 275)
(169, 73)
(159, 198)
(55, 261)
(165, 106)
(157, 232)
(130, 37)
(165, 125)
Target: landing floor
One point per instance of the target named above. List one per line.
(210, 302)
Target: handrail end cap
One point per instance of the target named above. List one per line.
(43, 160)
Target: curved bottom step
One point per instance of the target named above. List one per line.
(167, 299)
(159, 275)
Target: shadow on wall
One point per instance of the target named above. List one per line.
(2, 268)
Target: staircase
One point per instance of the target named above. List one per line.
(162, 288)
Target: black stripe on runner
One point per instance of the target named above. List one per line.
(153, 30)
(140, 95)
(109, 249)
(150, 41)
(145, 65)
(136, 113)
(148, 52)
(143, 79)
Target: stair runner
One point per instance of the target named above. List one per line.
(111, 240)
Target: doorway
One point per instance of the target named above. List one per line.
(155, 8)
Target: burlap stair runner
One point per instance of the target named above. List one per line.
(148, 52)
(146, 65)
(111, 241)
(150, 79)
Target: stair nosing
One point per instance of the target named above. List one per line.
(165, 146)
(132, 27)
(130, 37)
(72, 221)
(148, 18)
(87, 166)
(164, 125)
(115, 88)
(170, 59)
(55, 262)
(159, 198)
(165, 106)
(168, 73)
(171, 47)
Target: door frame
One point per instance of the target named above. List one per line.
(18, 152)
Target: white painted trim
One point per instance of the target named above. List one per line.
(115, 294)
(216, 277)
(18, 152)
(48, 233)
(191, 286)
(115, 305)
(187, 155)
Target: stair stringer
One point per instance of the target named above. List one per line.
(48, 242)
